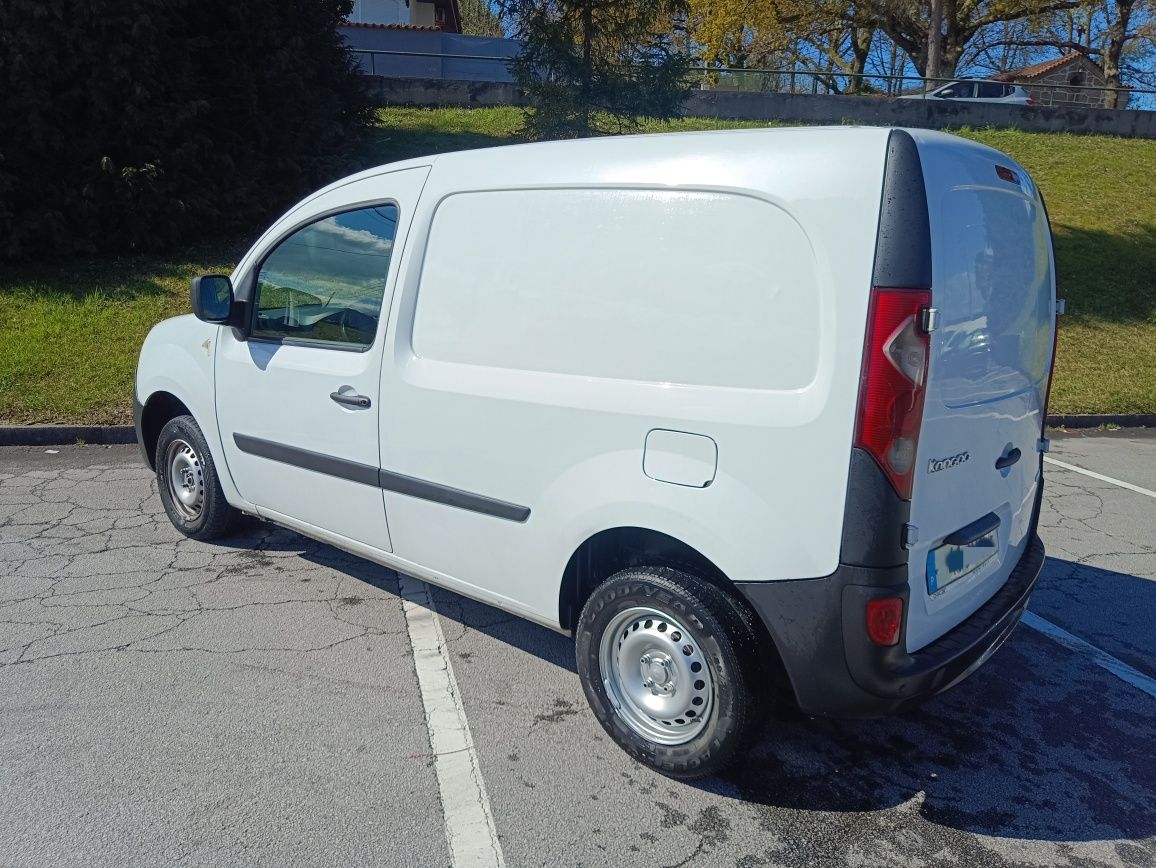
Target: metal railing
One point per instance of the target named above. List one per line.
(418, 64)
(834, 82)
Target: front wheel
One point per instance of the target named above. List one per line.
(669, 663)
(188, 484)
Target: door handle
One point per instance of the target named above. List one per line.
(1007, 460)
(350, 399)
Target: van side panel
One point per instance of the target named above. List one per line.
(551, 410)
(673, 287)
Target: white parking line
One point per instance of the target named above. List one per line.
(1101, 658)
(1100, 476)
(470, 832)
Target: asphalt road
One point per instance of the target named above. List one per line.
(256, 703)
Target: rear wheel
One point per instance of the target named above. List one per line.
(670, 668)
(187, 482)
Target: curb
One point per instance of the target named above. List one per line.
(108, 435)
(1136, 420)
(66, 435)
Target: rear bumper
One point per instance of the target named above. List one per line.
(818, 628)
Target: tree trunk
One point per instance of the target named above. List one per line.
(860, 47)
(894, 69)
(953, 44)
(934, 42)
(587, 66)
(1110, 60)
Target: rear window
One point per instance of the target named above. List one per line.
(994, 293)
(688, 287)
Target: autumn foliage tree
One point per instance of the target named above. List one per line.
(837, 34)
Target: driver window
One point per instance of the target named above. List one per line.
(326, 281)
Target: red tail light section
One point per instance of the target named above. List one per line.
(893, 382)
(884, 620)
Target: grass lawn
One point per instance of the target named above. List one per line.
(70, 331)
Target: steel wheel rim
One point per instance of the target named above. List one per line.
(656, 676)
(186, 479)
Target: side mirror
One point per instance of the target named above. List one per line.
(212, 298)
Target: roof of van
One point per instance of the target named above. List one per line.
(796, 136)
(664, 158)
(689, 139)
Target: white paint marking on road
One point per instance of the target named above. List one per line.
(470, 833)
(1101, 658)
(1100, 476)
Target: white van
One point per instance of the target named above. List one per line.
(747, 413)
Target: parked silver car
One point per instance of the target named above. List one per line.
(977, 91)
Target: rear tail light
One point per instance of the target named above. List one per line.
(893, 382)
(1031, 101)
(884, 620)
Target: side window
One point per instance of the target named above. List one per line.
(959, 90)
(991, 90)
(326, 281)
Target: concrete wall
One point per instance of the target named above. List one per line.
(804, 108)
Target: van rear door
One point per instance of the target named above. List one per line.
(977, 464)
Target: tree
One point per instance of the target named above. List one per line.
(1115, 34)
(905, 23)
(823, 36)
(127, 124)
(479, 18)
(1119, 34)
(590, 65)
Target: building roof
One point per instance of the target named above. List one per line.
(1042, 68)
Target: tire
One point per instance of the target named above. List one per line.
(695, 695)
(188, 484)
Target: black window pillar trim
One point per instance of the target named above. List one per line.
(367, 474)
(875, 514)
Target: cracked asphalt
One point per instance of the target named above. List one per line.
(255, 703)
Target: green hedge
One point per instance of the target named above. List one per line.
(128, 124)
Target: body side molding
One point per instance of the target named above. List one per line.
(366, 474)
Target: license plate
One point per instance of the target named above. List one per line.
(950, 563)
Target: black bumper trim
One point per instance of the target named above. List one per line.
(835, 670)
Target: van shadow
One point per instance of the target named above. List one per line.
(461, 612)
(1039, 744)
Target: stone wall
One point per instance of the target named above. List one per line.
(1053, 89)
(804, 108)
